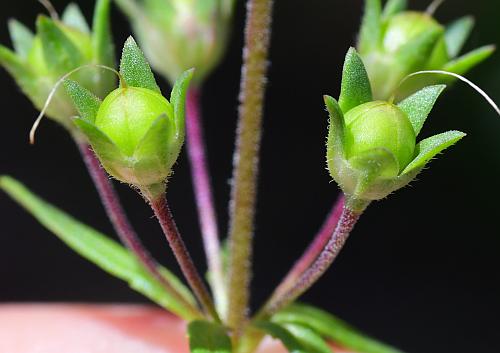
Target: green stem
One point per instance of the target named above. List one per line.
(243, 196)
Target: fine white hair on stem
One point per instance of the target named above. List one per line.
(433, 6)
(461, 78)
(54, 90)
(50, 8)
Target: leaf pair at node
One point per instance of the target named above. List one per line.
(136, 133)
(395, 42)
(372, 149)
(58, 47)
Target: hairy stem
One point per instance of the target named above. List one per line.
(243, 195)
(162, 212)
(335, 244)
(121, 224)
(314, 249)
(200, 176)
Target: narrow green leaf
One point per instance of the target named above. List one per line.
(85, 101)
(61, 55)
(415, 54)
(178, 100)
(22, 38)
(333, 328)
(208, 337)
(308, 338)
(97, 248)
(135, 68)
(457, 33)
(355, 88)
(370, 33)
(466, 62)
(102, 39)
(282, 334)
(419, 105)
(393, 7)
(73, 17)
(430, 147)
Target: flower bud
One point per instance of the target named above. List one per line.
(177, 35)
(136, 133)
(372, 149)
(58, 47)
(395, 43)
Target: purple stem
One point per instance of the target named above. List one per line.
(335, 244)
(203, 192)
(315, 247)
(119, 220)
(164, 216)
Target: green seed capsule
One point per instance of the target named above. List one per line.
(127, 114)
(380, 125)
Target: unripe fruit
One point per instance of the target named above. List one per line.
(128, 113)
(380, 125)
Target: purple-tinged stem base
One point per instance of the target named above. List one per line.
(203, 192)
(164, 215)
(314, 249)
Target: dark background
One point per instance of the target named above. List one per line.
(421, 268)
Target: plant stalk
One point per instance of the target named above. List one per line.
(120, 222)
(314, 249)
(200, 176)
(164, 215)
(346, 223)
(245, 174)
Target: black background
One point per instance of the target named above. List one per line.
(421, 269)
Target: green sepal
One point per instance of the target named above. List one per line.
(109, 154)
(355, 88)
(416, 52)
(336, 130)
(85, 101)
(102, 38)
(155, 152)
(468, 61)
(178, 101)
(61, 55)
(393, 7)
(135, 69)
(308, 338)
(101, 250)
(419, 105)
(18, 69)
(279, 332)
(370, 34)
(373, 164)
(332, 328)
(21, 37)
(208, 337)
(430, 147)
(457, 34)
(73, 17)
